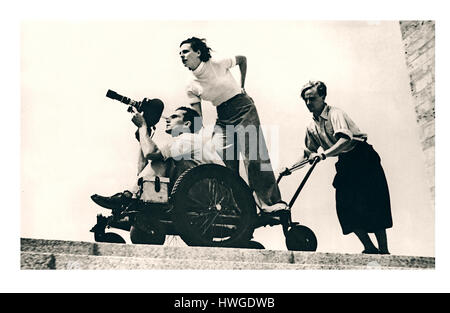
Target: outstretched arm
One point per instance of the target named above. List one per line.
(197, 106)
(142, 162)
(149, 149)
(242, 62)
(341, 145)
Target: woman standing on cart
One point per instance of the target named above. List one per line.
(236, 112)
(362, 194)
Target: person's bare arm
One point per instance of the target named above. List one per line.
(142, 162)
(197, 106)
(242, 62)
(341, 145)
(149, 149)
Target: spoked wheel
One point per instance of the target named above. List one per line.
(147, 231)
(108, 237)
(301, 238)
(212, 206)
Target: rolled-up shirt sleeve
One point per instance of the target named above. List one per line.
(227, 62)
(180, 148)
(339, 120)
(165, 151)
(193, 93)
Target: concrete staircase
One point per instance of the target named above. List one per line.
(71, 255)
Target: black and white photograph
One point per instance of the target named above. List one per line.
(234, 145)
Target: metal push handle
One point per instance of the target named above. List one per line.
(302, 184)
(289, 171)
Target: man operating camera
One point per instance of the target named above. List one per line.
(185, 149)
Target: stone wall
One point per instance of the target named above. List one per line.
(419, 41)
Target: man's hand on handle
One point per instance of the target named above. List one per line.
(314, 155)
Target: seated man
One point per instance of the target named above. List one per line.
(185, 149)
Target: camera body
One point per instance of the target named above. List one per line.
(152, 108)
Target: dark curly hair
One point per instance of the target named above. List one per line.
(198, 44)
(320, 87)
(192, 116)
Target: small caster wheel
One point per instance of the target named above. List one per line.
(253, 245)
(148, 237)
(301, 238)
(109, 238)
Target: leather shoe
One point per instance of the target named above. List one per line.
(371, 251)
(115, 201)
(276, 208)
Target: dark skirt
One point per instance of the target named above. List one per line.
(362, 193)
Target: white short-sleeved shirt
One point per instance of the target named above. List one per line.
(213, 81)
(191, 146)
(332, 123)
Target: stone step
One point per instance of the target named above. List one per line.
(45, 261)
(207, 255)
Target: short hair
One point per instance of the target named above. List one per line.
(198, 44)
(191, 115)
(320, 87)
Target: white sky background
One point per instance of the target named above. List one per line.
(76, 142)
(55, 150)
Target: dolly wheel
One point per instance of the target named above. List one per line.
(301, 238)
(212, 206)
(253, 245)
(148, 237)
(109, 238)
